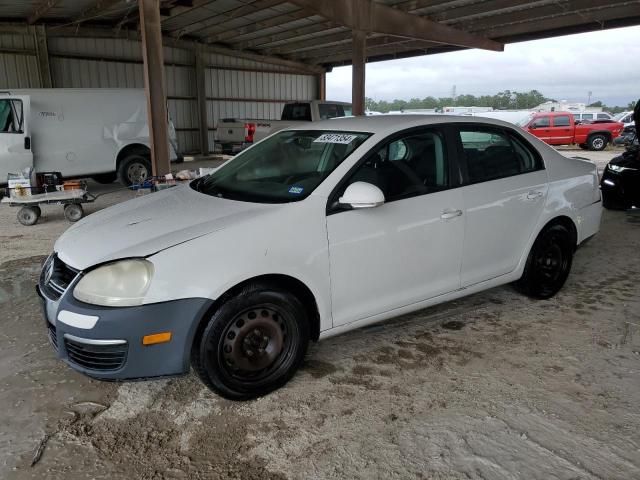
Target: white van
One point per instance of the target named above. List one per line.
(98, 133)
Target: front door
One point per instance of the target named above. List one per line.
(15, 142)
(406, 250)
(541, 128)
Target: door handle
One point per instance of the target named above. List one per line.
(533, 195)
(448, 214)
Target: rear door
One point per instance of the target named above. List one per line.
(504, 194)
(561, 130)
(15, 140)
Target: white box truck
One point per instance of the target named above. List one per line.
(98, 133)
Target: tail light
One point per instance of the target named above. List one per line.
(249, 132)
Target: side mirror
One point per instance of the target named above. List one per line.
(362, 195)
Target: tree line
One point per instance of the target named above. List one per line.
(505, 100)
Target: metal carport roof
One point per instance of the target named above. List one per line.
(303, 32)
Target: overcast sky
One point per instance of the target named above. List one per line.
(565, 68)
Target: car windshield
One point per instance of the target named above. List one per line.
(620, 116)
(286, 167)
(522, 122)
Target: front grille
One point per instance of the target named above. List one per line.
(96, 357)
(53, 336)
(56, 277)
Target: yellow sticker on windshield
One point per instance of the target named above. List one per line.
(335, 138)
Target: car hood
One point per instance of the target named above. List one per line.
(149, 224)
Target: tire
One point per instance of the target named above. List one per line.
(38, 211)
(597, 142)
(105, 178)
(28, 216)
(548, 264)
(73, 212)
(135, 168)
(252, 344)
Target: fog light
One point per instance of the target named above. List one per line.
(155, 338)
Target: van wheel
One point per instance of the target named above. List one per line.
(548, 264)
(253, 344)
(134, 169)
(105, 178)
(597, 142)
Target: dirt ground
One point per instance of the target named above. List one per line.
(493, 386)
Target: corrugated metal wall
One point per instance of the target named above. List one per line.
(235, 87)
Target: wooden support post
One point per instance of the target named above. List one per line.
(201, 90)
(321, 80)
(154, 85)
(358, 75)
(42, 53)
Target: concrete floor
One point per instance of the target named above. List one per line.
(491, 386)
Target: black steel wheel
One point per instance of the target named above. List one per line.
(548, 264)
(134, 169)
(73, 212)
(253, 344)
(28, 216)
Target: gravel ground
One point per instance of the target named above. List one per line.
(491, 386)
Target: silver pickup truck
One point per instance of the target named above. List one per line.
(234, 135)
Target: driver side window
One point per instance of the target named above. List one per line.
(10, 116)
(415, 164)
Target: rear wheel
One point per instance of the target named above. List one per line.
(28, 215)
(597, 142)
(134, 169)
(253, 344)
(548, 264)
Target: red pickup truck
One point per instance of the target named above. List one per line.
(560, 128)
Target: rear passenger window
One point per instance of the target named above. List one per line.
(603, 116)
(561, 121)
(492, 154)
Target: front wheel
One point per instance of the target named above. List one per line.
(597, 142)
(28, 216)
(253, 344)
(548, 264)
(73, 212)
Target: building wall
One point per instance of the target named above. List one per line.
(235, 87)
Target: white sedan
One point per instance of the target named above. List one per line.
(310, 233)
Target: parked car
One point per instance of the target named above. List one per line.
(313, 232)
(625, 118)
(559, 128)
(591, 116)
(79, 132)
(620, 181)
(235, 135)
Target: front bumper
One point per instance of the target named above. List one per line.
(110, 347)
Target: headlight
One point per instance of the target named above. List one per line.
(119, 284)
(618, 168)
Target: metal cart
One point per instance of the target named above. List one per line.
(30, 211)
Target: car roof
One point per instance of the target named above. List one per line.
(390, 123)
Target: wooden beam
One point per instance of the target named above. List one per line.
(154, 85)
(369, 16)
(42, 54)
(95, 10)
(41, 10)
(321, 85)
(358, 71)
(201, 89)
